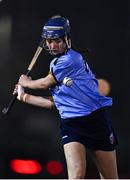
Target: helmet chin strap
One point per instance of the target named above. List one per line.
(68, 42)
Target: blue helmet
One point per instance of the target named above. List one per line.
(56, 27)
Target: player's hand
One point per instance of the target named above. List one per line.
(24, 80)
(20, 91)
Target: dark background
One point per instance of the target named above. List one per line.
(102, 27)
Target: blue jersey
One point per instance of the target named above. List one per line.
(80, 98)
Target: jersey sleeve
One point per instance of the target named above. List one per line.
(63, 68)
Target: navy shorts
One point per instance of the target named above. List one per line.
(94, 131)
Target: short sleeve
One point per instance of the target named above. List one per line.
(62, 68)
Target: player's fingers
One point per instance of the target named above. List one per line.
(23, 76)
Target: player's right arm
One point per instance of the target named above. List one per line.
(32, 99)
(42, 83)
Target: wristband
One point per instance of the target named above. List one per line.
(24, 98)
(20, 97)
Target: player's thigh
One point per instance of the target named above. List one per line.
(106, 163)
(75, 154)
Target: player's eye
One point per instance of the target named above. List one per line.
(58, 40)
(49, 41)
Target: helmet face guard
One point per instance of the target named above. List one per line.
(57, 27)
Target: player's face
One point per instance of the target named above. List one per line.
(56, 46)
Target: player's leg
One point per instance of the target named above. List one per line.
(106, 163)
(75, 154)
